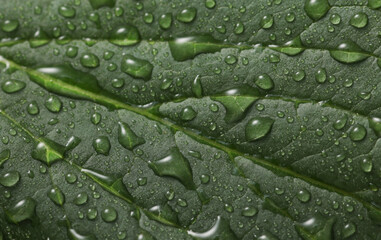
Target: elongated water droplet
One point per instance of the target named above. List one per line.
(357, 133)
(12, 86)
(137, 68)
(185, 48)
(316, 9)
(174, 165)
(127, 138)
(10, 179)
(348, 52)
(10, 25)
(187, 15)
(125, 36)
(66, 11)
(33, 108)
(258, 128)
(40, 38)
(267, 21)
(102, 145)
(22, 210)
(165, 21)
(110, 183)
(366, 164)
(56, 195)
(316, 227)
(291, 48)
(249, 211)
(4, 156)
(165, 212)
(96, 4)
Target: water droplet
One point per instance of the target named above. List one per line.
(56, 195)
(33, 108)
(109, 214)
(348, 230)
(5, 154)
(117, 83)
(316, 9)
(48, 151)
(299, 76)
(187, 15)
(210, 4)
(10, 179)
(127, 138)
(70, 178)
(359, 20)
(81, 198)
(125, 36)
(264, 82)
(204, 178)
(267, 21)
(366, 165)
(165, 21)
(102, 145)
(357, 133)
(375, 124)
(89, 60)
(335, 19)
(96, 4)
(316, 227)
(258, 128)
(185, 48)
(249, 211)
(74, 234)
(340, 123)
(174, 165)
(92, 213)
(66, 11)
(137, 68)
(303, 196)
(230, 59)
(239, 28)
(374, 4)
(321, 75)
(9, 25)
(96, 118)
(22, 210)
(290, 17)
(348, 52)
(12, 86)
(188, 113)
(53, 104)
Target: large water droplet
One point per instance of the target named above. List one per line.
(4, 156)
(340, 123)
(48, 151)
(40, 38)
(102, 145)
(357, 133)
(187, 15)
(267, 21)
(359, 20)
(165, 212)
(56, 195)
(185, 48)
(137, 68)
(9, 25)
(109, 214)
(12, 86)
(348, 52)
(165, 21)
(374, 4)
(303, 196)
(249, 211)
(366, 164)
(66, 11)
(125, 36)
(22, 210)
(33, 108)
(291, 48)
(258, 128)
(81, 198)
(127, 138)
(174, 165)
(10, 179)
(316, 9)
(316, 227)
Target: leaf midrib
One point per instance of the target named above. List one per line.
(104, 100)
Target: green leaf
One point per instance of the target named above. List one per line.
(190, 120)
